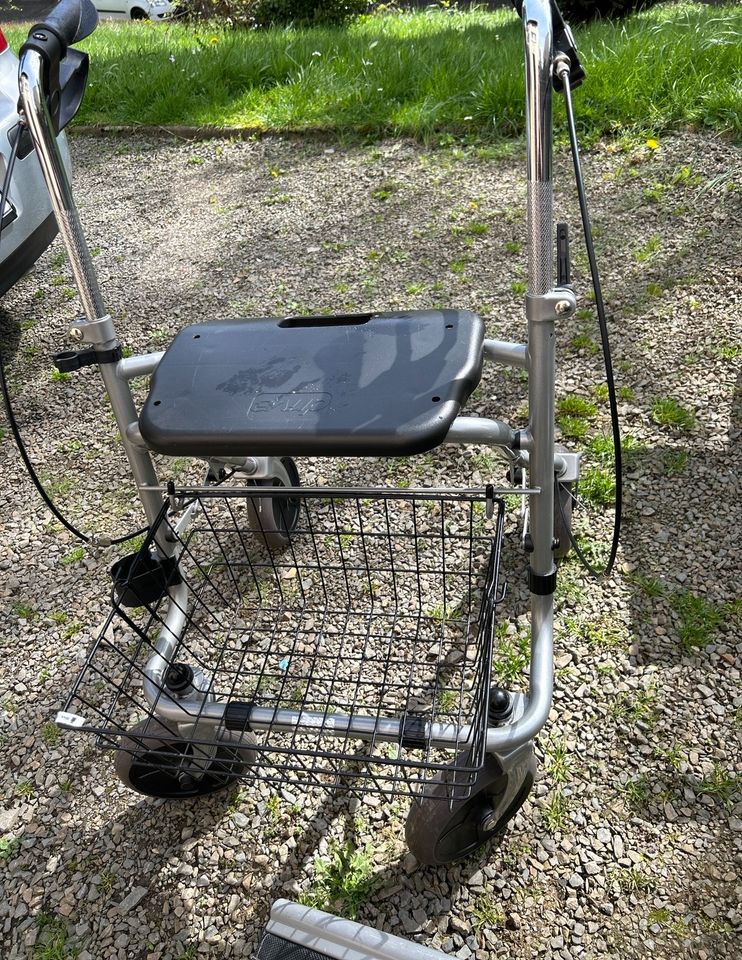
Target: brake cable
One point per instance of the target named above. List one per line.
(13, 423)
(563, 72)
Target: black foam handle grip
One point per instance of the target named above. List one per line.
(71, 21)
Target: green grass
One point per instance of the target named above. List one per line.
(598, 486)
(722, 784)
(698, 619)
(600, 448)
(415, 74)
(50, 733)
(52, 940)
(555, 811)
(668, 412)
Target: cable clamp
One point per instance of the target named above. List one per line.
(557, 304)
(70, 360)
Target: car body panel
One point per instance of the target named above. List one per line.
(29, 225)
(134, 9)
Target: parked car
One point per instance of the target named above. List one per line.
(135, 9)
(28, 224)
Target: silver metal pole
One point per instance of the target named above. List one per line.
(98, 328)
(538, 46)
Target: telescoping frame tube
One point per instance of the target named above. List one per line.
(36, 116)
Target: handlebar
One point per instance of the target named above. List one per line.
(62, 73)
(70, 21)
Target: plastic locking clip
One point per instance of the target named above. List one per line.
(71, 360)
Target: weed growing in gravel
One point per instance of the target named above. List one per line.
(9, 847)
(486, 464)
(728, 351)
(512, 655)
(601, 448)
(583, 341)
(668, 412)
(488, 913)
(636, 792)
(600, 392)
(555, 811)
(698, 619)
(650, 586)
(675, 461)
(573, 427)
(107, 881)
(73, 557)
(634, 880)
(344, 883)
(24, 612)
(673, 756)
(722, 784)
(570, 588)
(52, 940)
(648, 250)
(50, 734)
(606, 634)
(598, 486)
(636, 706)
(558, 761)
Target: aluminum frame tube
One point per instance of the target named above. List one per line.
(509, 354)
(339, 939)
(144, 365)
(36, 116)
(537, 27)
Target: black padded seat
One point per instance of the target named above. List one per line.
(380, 384)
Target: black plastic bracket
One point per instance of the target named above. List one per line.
(564, 43)
(237, 715)
(542, 584)
(70, 360)
(413, 732)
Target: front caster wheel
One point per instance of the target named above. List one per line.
(438, 834)
(275, 518)
(152, 761)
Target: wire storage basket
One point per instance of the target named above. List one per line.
(347, 643)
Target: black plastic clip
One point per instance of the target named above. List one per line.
(237, 716)
(413, 731)
(490, 495)
(542, 584)
(70, 360)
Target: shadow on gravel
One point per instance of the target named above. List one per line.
(10, 336)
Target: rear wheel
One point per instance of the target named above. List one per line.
(275, 518)
(438, 833)
(152, 760)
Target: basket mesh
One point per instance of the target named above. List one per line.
(357, 653)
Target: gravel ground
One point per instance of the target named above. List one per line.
(631, 842)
